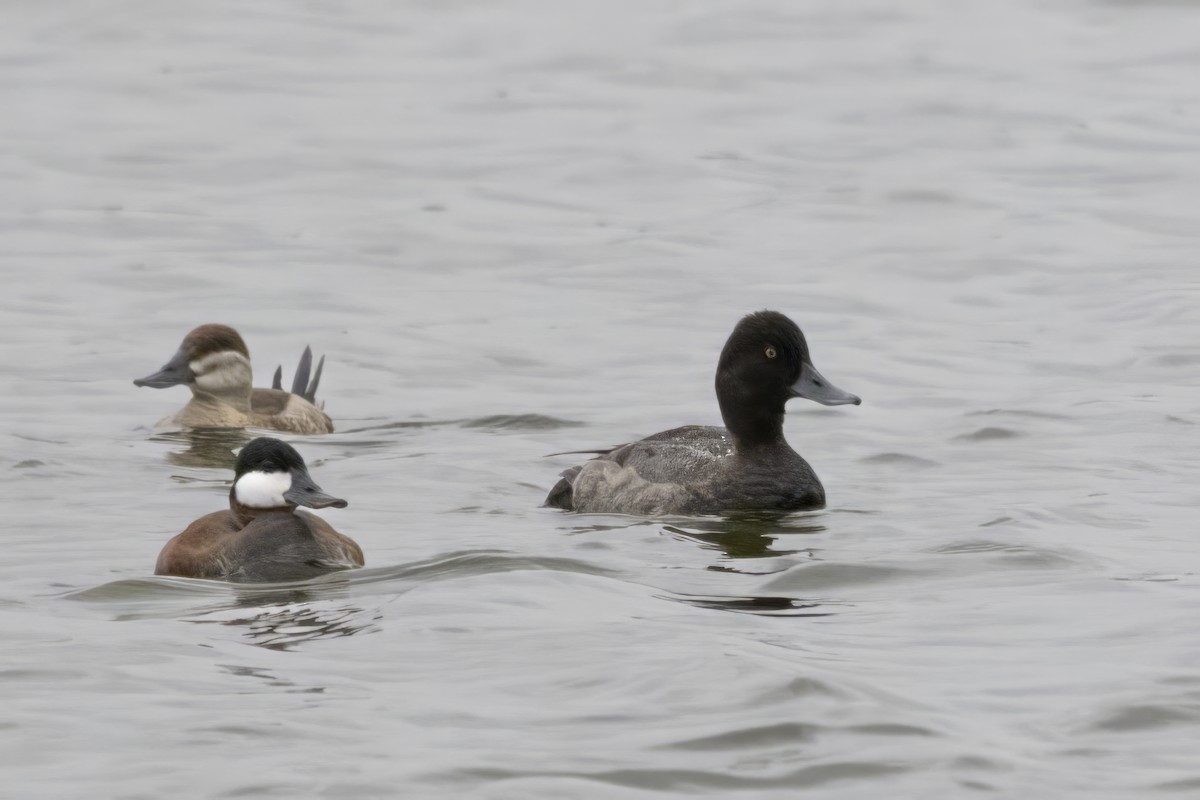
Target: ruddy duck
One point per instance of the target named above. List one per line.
(263, 537)
(214, 363)
(745, 466)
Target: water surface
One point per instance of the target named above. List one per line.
(516, 229)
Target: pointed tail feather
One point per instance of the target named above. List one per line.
(300, 382)
(311, 394)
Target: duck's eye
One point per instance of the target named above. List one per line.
(770, 351)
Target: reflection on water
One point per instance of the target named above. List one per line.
(275, 616)
(746, 535)
(283, 626)
(767, 606)
(205, 447)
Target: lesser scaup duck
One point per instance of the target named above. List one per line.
(262, 537)
(214, 363)
(745, 466)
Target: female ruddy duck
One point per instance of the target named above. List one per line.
(214, 363)
(262, 537)
(745, 466)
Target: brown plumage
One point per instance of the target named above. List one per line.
(262, 537)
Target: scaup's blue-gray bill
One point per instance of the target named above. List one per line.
(214, 363)
(262, 537)
(745, 466)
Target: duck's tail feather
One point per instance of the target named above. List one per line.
(311, 394)
(598, 451)
(300, 382)
(563, 494)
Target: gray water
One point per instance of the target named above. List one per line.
(518, 228)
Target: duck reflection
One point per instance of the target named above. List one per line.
(282, 617)
(747, 535)
(750, 536)
(738, 538)
(285, 627)
(205, 447)
(764, 606)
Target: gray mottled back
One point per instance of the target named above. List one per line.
(689, 470)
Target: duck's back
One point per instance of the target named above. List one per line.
(687, 455)
(672, 472)
(280, 546)
(280, 410)
(688, 470)
(289, 547)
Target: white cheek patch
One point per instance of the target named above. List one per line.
(220, 372)
(263, 489)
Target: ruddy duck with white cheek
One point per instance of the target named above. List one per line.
(262, 537)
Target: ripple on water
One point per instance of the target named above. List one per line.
(795, 688)
(1185, 785)
(827, 575)
(989, 434)
(681, 780)
(758, 736)
(1142, 717)
(899, 460)
(154, 593)
(520, 422)
(280, 616)
(1018, 412)
(765, 736)
(148, 588)
(1182, 359)
(1015, 555)
(513, 422)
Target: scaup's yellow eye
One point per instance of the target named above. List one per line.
(770, 351)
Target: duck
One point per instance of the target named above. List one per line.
(745, 466)
(214, 362)
(263, 537)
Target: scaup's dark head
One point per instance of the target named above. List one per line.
(212, 358)
(271, 474)
(765, 363)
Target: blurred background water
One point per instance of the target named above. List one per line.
(516, 228)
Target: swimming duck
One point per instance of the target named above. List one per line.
(745, 466)
(214, 363)
(262, 537)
